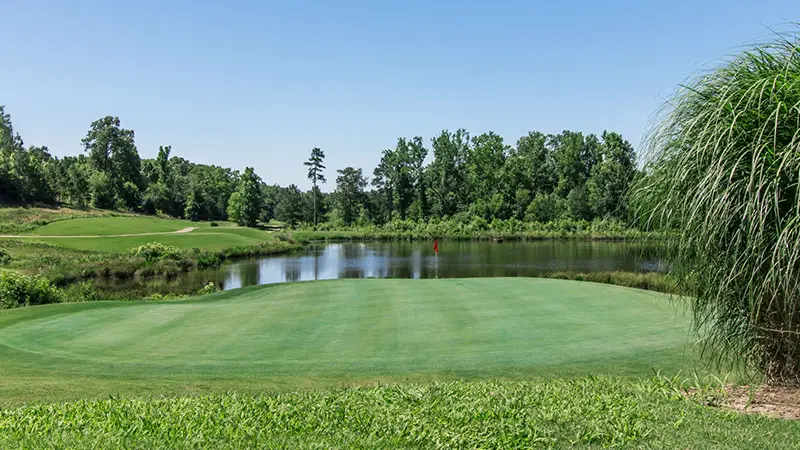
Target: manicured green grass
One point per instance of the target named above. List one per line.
(206, 238)
(104, 226)
(339, 332)
(588, 412)
(19, 220)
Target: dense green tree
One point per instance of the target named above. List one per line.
(544, 177)
(610, 178)
(9, 139)
(163, 166)
(29, 173)
(245, 204)
(112, 151)
(10, 144)
(314, 205)
(399, 176)
(414, 157)
(269, 196)
(485, 163)
(315, 168)
(573, 157)
(235, 207)
(74, 184)
(26, 175)
(209, 186)
(289, 208)
(531, 164)
(194, 206)
(101, 190)
(350, 185)
(381, 180)
(519, 207)
(447, 172)
(545, 207)
(156, 198)
(161, 194)
(490, 208)
(578, 203)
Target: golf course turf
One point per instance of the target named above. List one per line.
(332, 333)
(448, 363)
(119, 234)
(104, 226)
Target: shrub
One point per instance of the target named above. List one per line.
(167, 296)
(208, 259)
(213, 224)
(83, 291)
(283, 237)
(185, 264)
(23, 290)
(5, 257)
(209, 288)
(156, 251)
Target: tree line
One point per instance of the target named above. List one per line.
(541, 178)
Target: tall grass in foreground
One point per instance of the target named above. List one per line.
(723, 167)
(593, 412)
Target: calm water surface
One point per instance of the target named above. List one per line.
(417, 260)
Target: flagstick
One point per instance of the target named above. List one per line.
(437, 264)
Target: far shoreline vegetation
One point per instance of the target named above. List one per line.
(564, 186)
(470, 180)
(71, 266)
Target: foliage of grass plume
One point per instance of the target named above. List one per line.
(724, 169)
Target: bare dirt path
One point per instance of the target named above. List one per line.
(30, 236)
(777, 401)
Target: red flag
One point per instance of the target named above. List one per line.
(436, 246)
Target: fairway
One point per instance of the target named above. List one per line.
(109, 229)
(341, 331)
(218, 238)
(105, 226)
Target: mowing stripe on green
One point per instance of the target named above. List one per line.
(490, 326)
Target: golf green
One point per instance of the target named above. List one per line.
(347, 330)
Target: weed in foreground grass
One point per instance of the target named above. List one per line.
(586, 412)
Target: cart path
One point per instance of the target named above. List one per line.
(31, 236)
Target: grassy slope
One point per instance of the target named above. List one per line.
(19, 220)
(332, 333)
(204, 237)
(595, 412)
(112, 225)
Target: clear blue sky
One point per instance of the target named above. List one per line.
(260, 83)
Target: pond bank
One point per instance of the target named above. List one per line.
(76, 271)
(619, 263)
(90, 275)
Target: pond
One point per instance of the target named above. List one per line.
(416, 260)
